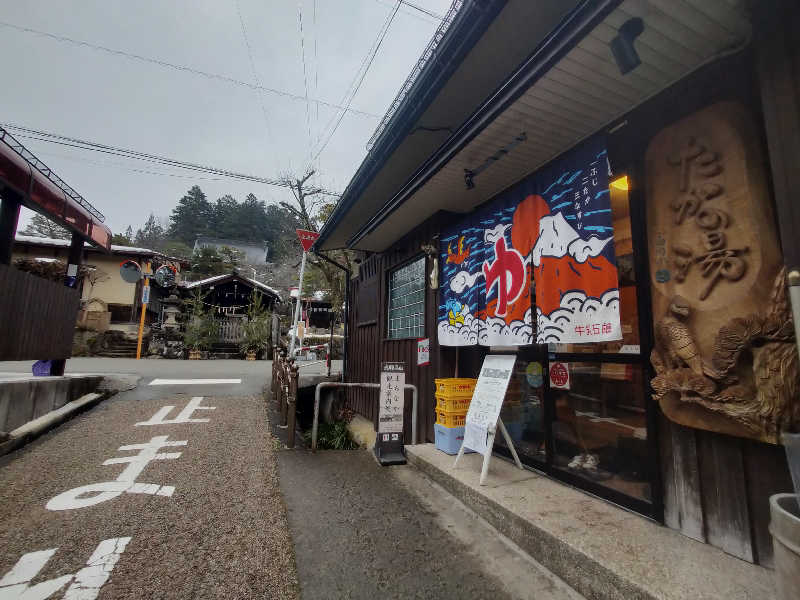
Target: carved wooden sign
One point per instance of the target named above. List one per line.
(724, 352)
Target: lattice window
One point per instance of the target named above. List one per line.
(406, 317)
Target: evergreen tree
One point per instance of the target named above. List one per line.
(41, 226)
(152, 235)
(192, 217)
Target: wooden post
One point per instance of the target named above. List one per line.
(9, 217)
(292, 404)
(74, 261)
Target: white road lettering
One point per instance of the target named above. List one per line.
(84, 585)
(126, 482)
(183, 417)
(193, 381)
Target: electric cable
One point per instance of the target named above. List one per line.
(381, 37)
(183, 68)
(253, 70)
(53, 138)
(305, 77)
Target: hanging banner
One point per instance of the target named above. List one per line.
(554, 227)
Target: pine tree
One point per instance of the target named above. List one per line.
(152, 235)
(192, 217)
(41, 226)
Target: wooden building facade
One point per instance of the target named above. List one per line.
(704, 408)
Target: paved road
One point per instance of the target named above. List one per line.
(220, 533)
(362, 531)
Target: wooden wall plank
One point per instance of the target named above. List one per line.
(726, 513)
(37, 317)
(687, 483)
(672, 517)
(766, 473)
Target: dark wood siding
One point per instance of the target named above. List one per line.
(717, 489)
(37, 317)
(369, 346)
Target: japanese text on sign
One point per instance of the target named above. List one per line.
(487, 399)
(390, 410)
(423, 352)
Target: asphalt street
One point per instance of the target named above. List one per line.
(220, 533)
(155, 494)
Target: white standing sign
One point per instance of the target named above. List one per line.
(483, 416)
(390, 411)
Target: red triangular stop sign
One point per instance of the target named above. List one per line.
(307, 238)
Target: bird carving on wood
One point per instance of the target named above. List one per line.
(674, 338)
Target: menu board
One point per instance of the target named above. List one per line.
(487, 400)
(390, 409)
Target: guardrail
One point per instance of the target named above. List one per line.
(327, 360)
(374, 386)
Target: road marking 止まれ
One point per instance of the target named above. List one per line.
(193, 381)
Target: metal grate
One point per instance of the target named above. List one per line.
(430, 49)
(32, 160)
(407, 301)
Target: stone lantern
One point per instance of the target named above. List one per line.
(171, 312)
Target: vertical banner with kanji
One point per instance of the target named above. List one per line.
(390, 411)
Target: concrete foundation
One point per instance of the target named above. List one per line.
(602, 551)
(25, 399)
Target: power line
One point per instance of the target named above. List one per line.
(371, 57)
(305, 77)
(54, 138)
(316, 65)
(423, 10)
(253, 69)
(184, 68)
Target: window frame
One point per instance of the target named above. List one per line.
(389, 273)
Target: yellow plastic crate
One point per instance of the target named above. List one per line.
(452, 404)
(455, 387)
(451, 419)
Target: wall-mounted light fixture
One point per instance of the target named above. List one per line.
(471, 174)
(622, 45)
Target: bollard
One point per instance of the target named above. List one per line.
(291, 401)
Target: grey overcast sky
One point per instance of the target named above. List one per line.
(86, 93)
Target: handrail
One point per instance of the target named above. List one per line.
(372, 386)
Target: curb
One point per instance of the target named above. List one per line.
(33, 429)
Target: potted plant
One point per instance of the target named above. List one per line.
(256, 330)
(201, 328)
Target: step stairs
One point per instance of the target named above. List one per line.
(119, 349)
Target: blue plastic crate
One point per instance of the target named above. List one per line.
(448, 439)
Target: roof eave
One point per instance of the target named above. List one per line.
(569, 32)
(462, 35)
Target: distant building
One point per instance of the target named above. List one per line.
(255, 253)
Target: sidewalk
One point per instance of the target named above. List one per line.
(365, 531)
(601, 550)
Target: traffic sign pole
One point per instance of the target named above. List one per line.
(145, 300)
(307, 239)
(297, 306)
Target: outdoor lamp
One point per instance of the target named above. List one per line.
(622, 45)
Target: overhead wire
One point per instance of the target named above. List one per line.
(316, 66)
(305, 76)
(254, 71)
(54, 138)
(183, 68)
(363, 73)
(423, 10)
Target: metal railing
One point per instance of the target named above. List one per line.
(371, 386)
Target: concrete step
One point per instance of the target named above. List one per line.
(600, 550)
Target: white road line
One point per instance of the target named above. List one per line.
(193, 381)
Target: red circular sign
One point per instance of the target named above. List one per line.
(558, 375)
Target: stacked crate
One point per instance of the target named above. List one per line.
(453, 396)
